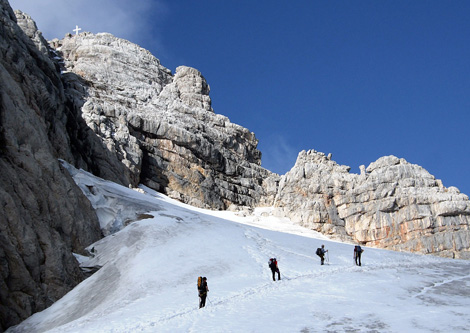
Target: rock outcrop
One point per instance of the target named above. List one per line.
(392, 204)
(44, 216)
(159, 128)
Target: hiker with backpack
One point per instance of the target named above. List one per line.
(203, 289)
(273, 265)
(357, 254)
(321, 253)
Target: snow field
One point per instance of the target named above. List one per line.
(147, 282)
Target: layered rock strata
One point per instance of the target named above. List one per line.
(161, 127)
(392, 204)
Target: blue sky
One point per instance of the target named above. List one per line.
(358, 79)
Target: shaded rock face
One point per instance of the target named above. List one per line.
(392, 204)
(44, 216)
(160, 128)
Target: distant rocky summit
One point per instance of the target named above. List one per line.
(108, 106)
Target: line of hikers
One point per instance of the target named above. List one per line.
(321, 251)
(357, 254)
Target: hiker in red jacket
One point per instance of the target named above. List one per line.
(274, 269)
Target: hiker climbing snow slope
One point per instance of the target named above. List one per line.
(274, 268)
(357, 255)
(203, 289)
(321, 253)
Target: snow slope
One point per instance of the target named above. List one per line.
(147, 282)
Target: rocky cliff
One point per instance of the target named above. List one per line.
(160, 128)
(108, 106)
(392, 204)
(44, 217)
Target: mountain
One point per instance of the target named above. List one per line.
(165, 134)
(147, 280)
(108, 106)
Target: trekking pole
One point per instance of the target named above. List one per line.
(328, 257)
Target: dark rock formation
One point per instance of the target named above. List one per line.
(44, 216)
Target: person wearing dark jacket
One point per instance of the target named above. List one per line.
(357, 254)
(321, 254)
(274, 269)
(203, 290)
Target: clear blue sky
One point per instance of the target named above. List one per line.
(358, 79)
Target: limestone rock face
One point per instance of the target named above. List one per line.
(191, 88)
(44, 216)
(392, 204)
(306, 193)
(159, 128)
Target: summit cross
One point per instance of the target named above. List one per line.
(77, 29)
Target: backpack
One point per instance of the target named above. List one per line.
(272, 262)
(199, 282)
(319, 252)
(357, 249)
